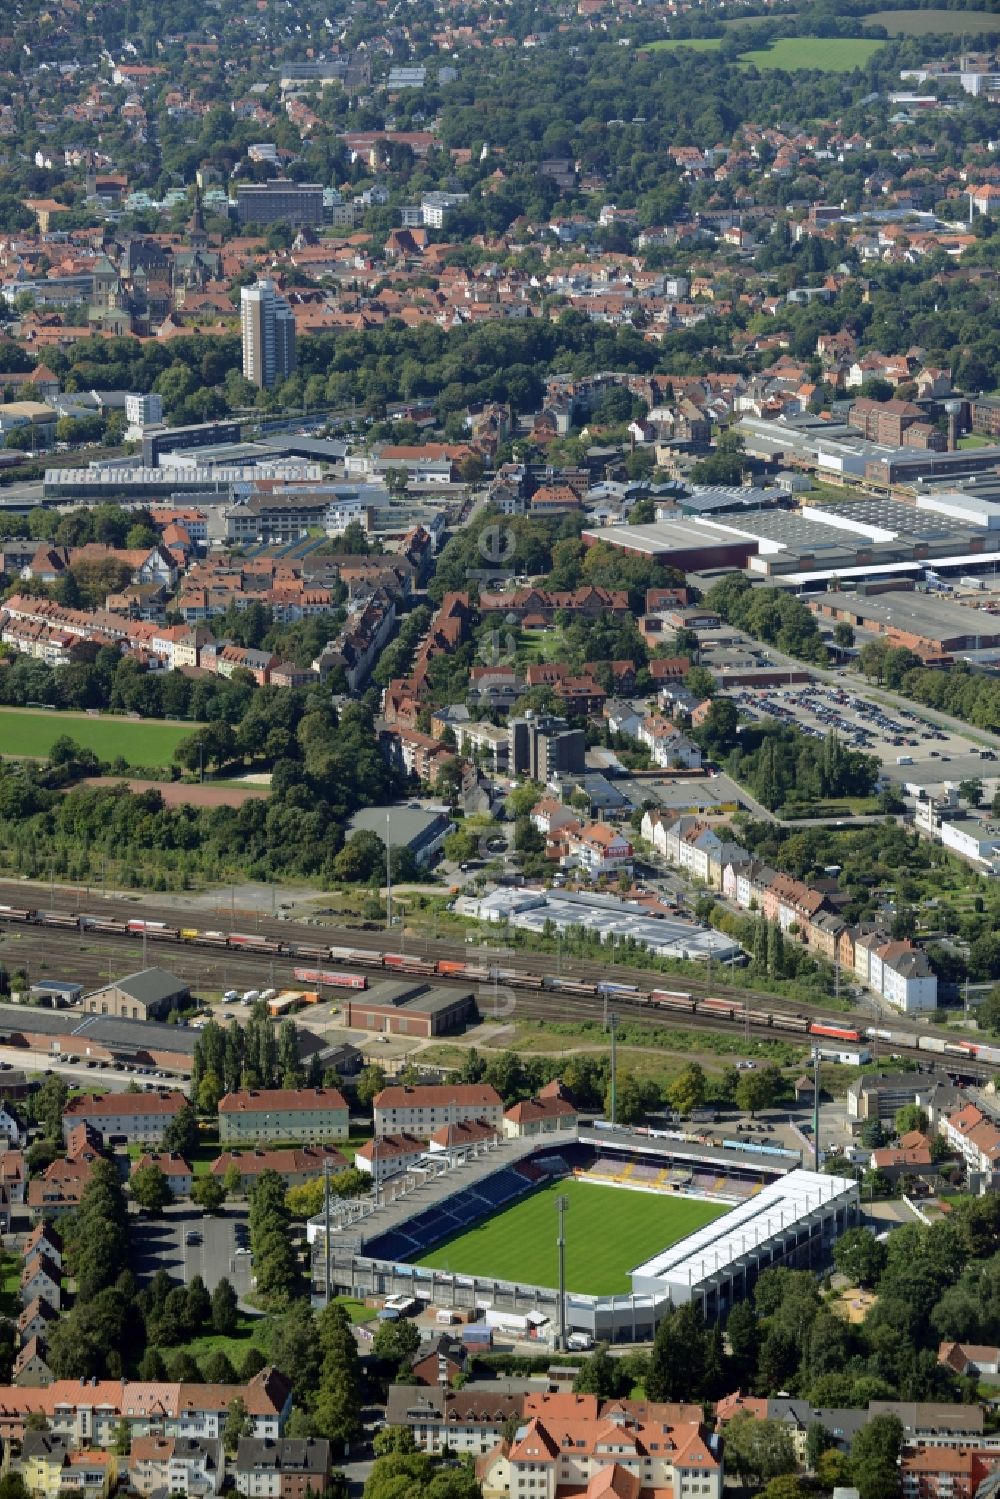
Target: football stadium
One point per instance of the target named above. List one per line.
(649, 1222)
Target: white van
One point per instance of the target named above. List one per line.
(579, 1342)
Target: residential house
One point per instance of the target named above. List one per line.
(36, 1319)
(973, 1136)
(608, 1448)
(388, 1155)
(30, 1366)
(179, 1173)
(297, 1164)
(92, 1411)
(468, 1420)
(945, 1472)
(45, 1463)
(425, 1108)
(979, 1359)
(441, 1363)
(136, 1117)
(316, 1115)
(598, 849)
(11, 1126)
(667, 745)
(177, 1465)
(550, 1113)
(41, 1280)
(287, 1468)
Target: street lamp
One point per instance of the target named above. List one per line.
(562, 1203)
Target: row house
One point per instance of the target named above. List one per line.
(418, 754)
(945, 1472)
(688, 842)
(976, 1138)
(50, 1465)
(177, 1465)
(597, 849)
(40, 641)
(898, 971)
(91, 1412)
(225, 660)
(289, 1468)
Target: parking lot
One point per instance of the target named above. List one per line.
(163, 1244)
(891, 733)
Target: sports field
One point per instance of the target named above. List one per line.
(609, 1230)
(693, 44)
(934, 22)
(824, 53)
(141, 741)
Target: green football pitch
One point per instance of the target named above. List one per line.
(149, 742)
(609, 1230)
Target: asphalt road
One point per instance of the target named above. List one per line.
(106, 1078)
(160, 1244)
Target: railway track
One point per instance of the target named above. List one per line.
(108, 932)
(232, 917)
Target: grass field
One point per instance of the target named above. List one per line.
(141, 742)
(825, 54)
(519, 1244)
(694, 44)
(934, 22)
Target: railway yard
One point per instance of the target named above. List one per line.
(91, 940)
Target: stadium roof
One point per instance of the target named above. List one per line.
(716, 1248)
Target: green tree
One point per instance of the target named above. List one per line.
(910, 1117)
(758, 1450)
(599, 1375)
(208, 1193)
(224, 1308)
(180, 1137)
(754, 1091)
(686, 1092)
(50, 1105)
(238, 1424)
(150, 1188)
(395, 1343)
(677, 1362)
(859, 1255)
(337, 1406)
(371, 1081)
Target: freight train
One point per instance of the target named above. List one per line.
(735, 1011)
